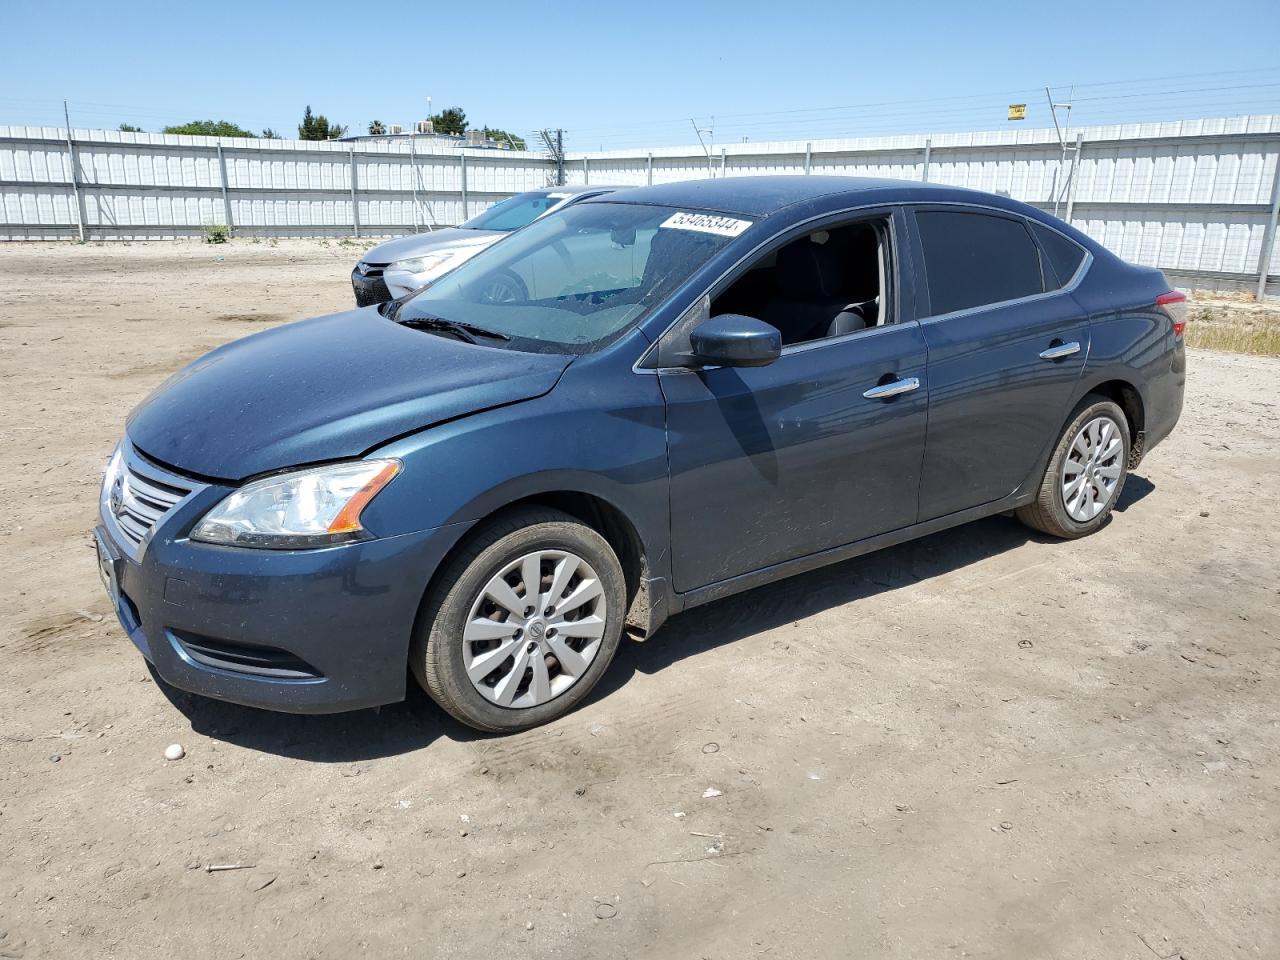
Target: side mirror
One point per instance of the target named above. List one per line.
(732, 340)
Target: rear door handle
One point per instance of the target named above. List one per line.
(1060, 350)
(893, 388)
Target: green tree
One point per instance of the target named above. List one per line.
(269, 134)
(210, 128)
(376, 129)
(130, 128)
(318, 127)
(450, 120)
(493, 133)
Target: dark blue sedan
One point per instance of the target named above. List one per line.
(702, 387)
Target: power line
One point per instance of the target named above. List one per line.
(864, 105)
(879, 120)
(1138, 99)
(1167, 76)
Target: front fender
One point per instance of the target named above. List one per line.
(599, 435)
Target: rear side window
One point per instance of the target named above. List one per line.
(972, 259)
(1064, 256)
(514, 212)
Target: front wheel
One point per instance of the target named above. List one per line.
(522, 622)
(504, 287)
(1085, 474)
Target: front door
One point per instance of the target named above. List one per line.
(772, 463)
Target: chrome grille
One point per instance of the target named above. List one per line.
(139, 495)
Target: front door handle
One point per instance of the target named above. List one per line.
(1060, 350)
(893, 388)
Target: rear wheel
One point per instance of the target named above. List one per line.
(522, 622)
(1085, 474)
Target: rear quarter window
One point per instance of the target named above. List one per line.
(975, 259)
(1064, 256)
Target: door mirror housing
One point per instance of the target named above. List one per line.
(732, 340)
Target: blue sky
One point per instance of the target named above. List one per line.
(616, 75)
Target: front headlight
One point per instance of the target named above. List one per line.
(112, 469)
(431, 263)
(310, 508)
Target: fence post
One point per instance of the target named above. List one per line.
(808, 158)
(1071, 176)
(413, 171)
(462, 172)
(1269, 235)
(226, 201)
(649, 168)
(75, 178)
(355, 203)
(586, 171)
(928, 148)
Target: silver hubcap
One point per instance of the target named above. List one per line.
(1091, 471)
(500, 291)
(535, 629)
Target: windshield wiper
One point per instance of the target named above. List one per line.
(463, 331)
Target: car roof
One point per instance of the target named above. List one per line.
(762, 196)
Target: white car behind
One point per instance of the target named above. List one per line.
(399, 267)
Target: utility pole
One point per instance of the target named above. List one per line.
(75, 173)
(1062, 183)
(705, 149)
(1071, 175)
(553, 140)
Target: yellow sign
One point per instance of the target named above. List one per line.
(1017, 111)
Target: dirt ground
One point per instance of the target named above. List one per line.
(1237, 324)
(981, 744)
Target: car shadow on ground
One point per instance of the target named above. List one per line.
(397, 728)
(416, 722)
(795, 598)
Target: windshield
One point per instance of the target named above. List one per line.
(515, 212)
(577, 278)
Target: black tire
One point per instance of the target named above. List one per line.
(507, 287)
(1048, 513)
(436, 656)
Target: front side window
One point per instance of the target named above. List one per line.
(975, 259)
(828, 283)
(514, 212)
(578, 278)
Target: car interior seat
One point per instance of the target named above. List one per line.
(864, 254)
(814, 292)
(669, 251)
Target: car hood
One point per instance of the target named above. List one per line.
(325, 389)
(420, 244)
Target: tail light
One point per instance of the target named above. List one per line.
(1175, 305)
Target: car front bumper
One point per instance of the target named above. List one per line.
(369, 290)
(401, 284)
(305, 631)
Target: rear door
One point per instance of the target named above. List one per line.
(1007, 343)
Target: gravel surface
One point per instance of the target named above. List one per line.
(980, 744)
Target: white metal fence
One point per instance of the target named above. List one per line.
(1197, 198)
(136, 186)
